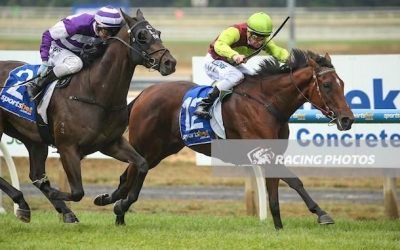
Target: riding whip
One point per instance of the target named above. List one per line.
(21, 83)
(265, 44)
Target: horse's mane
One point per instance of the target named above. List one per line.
(298, 59)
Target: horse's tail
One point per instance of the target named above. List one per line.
(130, 105)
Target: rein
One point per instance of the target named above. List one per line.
(326, 110)
(151, 61)
(268, 106)
(278, 115)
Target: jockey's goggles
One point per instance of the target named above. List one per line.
(258, 37)
(109, 31)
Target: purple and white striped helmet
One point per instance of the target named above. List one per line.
(108, 17)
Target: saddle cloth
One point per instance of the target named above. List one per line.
(196, 130)
(15, 99)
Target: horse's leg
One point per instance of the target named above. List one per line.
(119, 193)
(23, 212)
(136, 173)
(37, 159)
(71, 162)
(123, 205)
(272, 189)
(297, 184)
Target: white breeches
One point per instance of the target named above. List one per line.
(226, 75)
(64, 61)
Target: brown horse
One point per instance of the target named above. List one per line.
(91, 113)
(259, 108)
(23, 211)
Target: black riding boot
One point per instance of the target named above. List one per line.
(204, 106)
(35, 87)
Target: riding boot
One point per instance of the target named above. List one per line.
(35, 87)
(204, 106)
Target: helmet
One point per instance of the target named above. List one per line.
(260, 23)
(108, 17)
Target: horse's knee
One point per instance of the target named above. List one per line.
(77, 196)
(143, 167)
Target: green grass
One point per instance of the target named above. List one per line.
(166, 231)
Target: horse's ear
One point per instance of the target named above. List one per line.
(124, 16)
(328, 57)
(139, 14)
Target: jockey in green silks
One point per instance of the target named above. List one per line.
(227, 53)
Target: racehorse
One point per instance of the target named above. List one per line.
(259, 108)
(23, 211)
(91, 113)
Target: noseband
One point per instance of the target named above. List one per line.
(137, 47)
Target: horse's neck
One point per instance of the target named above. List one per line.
(281, 91)
(112, 75)
(294, 90)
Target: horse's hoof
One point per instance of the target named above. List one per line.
(23, 214)
(102, 200)
(120, 220)
(325, 219)
(70, 218)
(118, 208)
(118, 211)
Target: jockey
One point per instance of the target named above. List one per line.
(223, 62)
(62, 43)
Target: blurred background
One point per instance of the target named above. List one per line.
(177, 185)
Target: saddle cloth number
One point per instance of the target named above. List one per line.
(191, 122)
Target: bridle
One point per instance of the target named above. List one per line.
(325, 109)
(272, 109)
(138, 46)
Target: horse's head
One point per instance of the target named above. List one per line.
(146, 47)
(327, 93)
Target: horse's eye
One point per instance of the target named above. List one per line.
(326, 85)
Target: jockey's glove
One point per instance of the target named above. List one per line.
(43, 69)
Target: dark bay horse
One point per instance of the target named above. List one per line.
(259, 108)
(91, 113)
(23, 211)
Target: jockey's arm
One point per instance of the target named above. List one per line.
(61, 29)
(274, 50)
(222, 45)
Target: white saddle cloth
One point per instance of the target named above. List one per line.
(44, 103)
(216, 122)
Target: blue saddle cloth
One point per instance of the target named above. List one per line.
(15, 99)
(195, 130)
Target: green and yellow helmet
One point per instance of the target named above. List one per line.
(260, 23)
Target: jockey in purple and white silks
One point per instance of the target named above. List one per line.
(62, 43)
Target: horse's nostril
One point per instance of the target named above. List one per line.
(346, 121)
